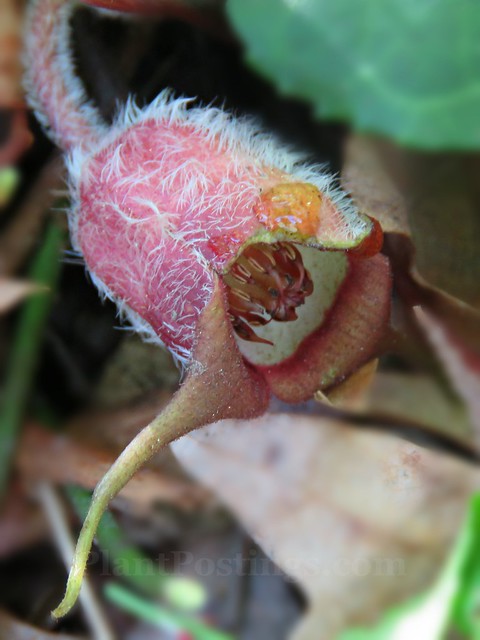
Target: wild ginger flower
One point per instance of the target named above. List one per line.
(214, 240)
(174, 200)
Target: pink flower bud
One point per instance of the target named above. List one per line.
(170, 199)
(174, 197)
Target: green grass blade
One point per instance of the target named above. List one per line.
(161, 616)
(26, 345)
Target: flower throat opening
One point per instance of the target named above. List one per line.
(267, 282)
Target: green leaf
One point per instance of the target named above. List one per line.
(466, 606)
(409, 69)
(26, 345)
(449, 600)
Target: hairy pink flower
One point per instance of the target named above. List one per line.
(168, 202)
(213, 239)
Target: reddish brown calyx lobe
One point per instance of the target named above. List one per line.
(373, 242)
(267, 282)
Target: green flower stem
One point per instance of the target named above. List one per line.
(144, 445)
(133, 565)
(214, 389)
(120, 554)
(26, 345)
(184, 413)
(160, 616)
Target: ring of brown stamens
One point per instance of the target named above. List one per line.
(267, 282)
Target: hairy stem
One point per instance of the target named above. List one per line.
(53, 89)
(216, 388)
(153, 437)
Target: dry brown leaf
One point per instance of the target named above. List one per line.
(418, 400)
(413, 290)
(14, 291)
(444, 200)
(461, 364)
(365, 176)
(44, 455)
(428, 207)
(434, 198)
(359, 519)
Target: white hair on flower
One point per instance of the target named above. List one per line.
(239, 137)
